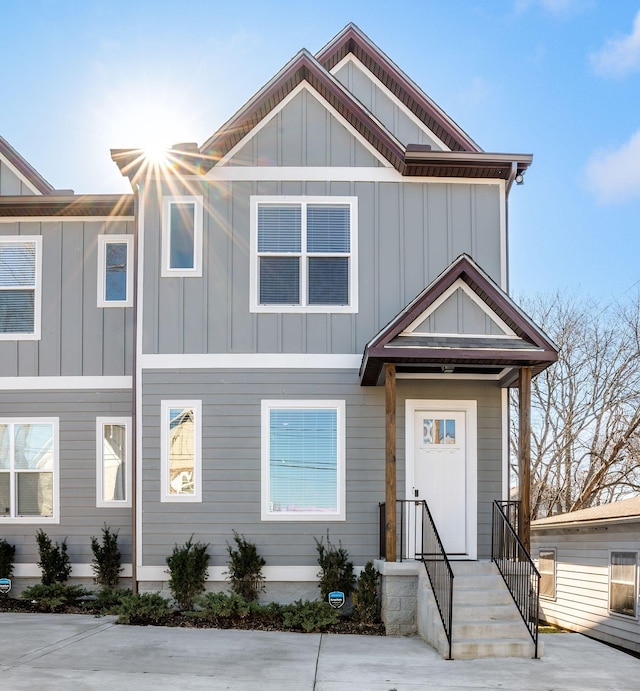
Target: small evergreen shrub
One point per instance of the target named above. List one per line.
(7, 554)
(217, 606)
(309, 616)
(366, 598)
(336, 569)
(143, 608)
(188, 572)
(245, 568)
(52, 597)
(106, 559)
(108, 600)
(54, 560)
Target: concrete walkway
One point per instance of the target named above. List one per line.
(76, 652)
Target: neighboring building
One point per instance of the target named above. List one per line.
(338, 228)
(588, 562)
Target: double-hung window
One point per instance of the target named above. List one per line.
(113, 471)
(115, 275)
(304, 254)
(20, 275)
(182, 219)
(547, 568)
(623, 584)
(29, 470)
(181, 451)
(303, 460)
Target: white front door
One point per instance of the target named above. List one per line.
(441, 469)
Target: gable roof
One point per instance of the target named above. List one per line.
(465, 159)
(525, 346)
(24, 168)
(626, 509)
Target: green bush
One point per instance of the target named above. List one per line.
(310, 616)
(245, 568)
(188, 572)
(54, 561)
(216, 606)
(336, 569)
(143, 608)
(108, 600)
(52, 597)
(106, 559)
(366, 598)
(7, 554)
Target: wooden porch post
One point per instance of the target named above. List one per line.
(524, 456)
(390, 457)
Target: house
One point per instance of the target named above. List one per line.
(231, 324)
(588, 562)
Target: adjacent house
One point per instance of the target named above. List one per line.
(588, 562)
(278, 330)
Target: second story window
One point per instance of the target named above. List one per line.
(182, 236)
(304, 254)
(20, 268)
(115, 270)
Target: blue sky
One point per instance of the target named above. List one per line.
(556, 78)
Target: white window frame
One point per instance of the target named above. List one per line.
(100, 424)
(103, 241)
(613, 612)
(55, 517)
(304, 201)
(340, 407)
(167, 202)
(165, 429)
(555, 559)
(35, 335)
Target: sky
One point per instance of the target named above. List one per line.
(556, 78)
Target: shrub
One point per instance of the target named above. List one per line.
(54, 561)
(106, 559)
(245, 568)
(366, 599)
(52, 597)
(143, 608)
(7, 554)
(216, 606)
(108, 600)
(337, 570)
(188, 572)
(310, 616)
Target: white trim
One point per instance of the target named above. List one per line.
(165, 495)
(506, 452)
(251, 361)
(100, 423)
(31, 570)
(198, 219)
(504, 248)
(37, 288)
(272, 574)
(392, 97)
(352, 256)
(615, 613)
(20, 175)
(452, 376)
(103, 241)
(137, 519)
(64, 383)
(55, 472)
(470, 408)
(303, 86)
(57, 219)
(340, 407)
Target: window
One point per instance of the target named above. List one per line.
(303, 460)
(547, 568)
(20, 270)
(304, 254)
(113, 471)
(182, 236)
(29, 470)
(114, 270)
(622, 583)
(181, 459)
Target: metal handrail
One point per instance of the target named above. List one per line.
(429, 550)
(516, 567)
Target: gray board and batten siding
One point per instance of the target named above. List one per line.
(11, 184)
(408, 233)
(78, 338)
(231, 452)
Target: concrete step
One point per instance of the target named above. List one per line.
(482, 611)
(475, 568)
(472, 649)
(479, 596)
(489, 630)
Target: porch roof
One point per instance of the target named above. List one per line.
(518, 343)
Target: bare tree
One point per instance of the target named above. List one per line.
(585, 445)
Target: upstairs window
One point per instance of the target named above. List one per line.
(114, 270)
(182, 236)
(20, 269)
(304, 254)
(623, 583)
